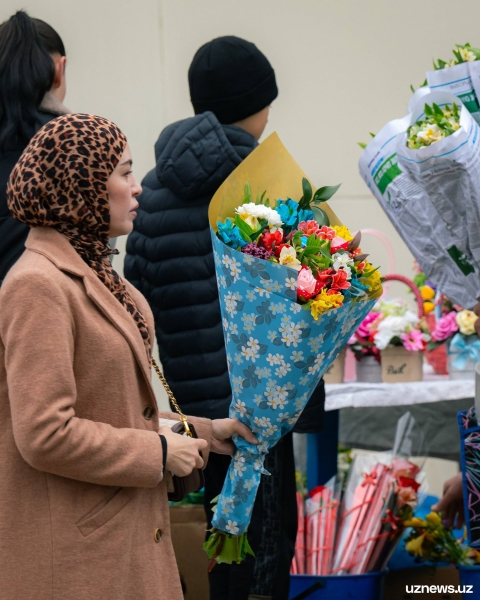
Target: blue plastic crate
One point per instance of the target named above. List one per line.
(368, 586)
(470, 576)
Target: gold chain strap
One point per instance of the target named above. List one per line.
(171, 397)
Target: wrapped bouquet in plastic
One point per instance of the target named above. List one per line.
(293, 287)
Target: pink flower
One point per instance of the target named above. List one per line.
(445, 327)
(326, 233)
(367, 326)
(308, 227)
(406, 495)
(306, 280)
(413, 341)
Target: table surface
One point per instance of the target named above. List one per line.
(434, 388)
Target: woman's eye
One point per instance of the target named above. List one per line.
(128, 173)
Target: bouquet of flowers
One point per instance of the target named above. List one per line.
(436, 124)
(430, 541)
(293, 286)
(390, 323)
(456, 328)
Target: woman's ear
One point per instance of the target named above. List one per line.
(58, 79)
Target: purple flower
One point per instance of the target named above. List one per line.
(445, 327)
(256, 251)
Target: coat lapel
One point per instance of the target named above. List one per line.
(55, 247)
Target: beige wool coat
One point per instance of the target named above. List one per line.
(83, 507)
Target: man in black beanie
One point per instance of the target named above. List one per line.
(170, 260)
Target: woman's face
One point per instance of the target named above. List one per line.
(122, 188)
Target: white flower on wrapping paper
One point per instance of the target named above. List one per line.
(262, 422)
(272, 335)
(295, 308)
(231, 301)
(278, 308)
(270, 286)
(291, 283)
(258, 465)
(289, 386)
(283, 417)
(225, 323)
(263, 372)
(229, 358)
(239, 466)
(270, 430)
(233, 328)
(251, 350)
(227, 261)
(232, 527)
(304, 379)
(263, 293)
(222, 280)
(296, 355)
(251, 295)
(317, 364)
(249, 484)
(248, 259)
(283, 370)
(227, 338)
(257, 399)
(240, 408)
(276, 287)
(217, 258)
(274, 359)
(238, 358)
(237, 384)
(347, 325)
(271, 383)
(235, 271)
(315, 343)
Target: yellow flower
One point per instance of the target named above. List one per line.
(427, 292)
(466, 321)
(374, 280)
(428, 307)
(415, 546)
(417, 522)
(434, 519)
(325, 301)
(467, 55)
(343, 232)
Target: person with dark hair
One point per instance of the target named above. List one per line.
(170, 260)
(83, 484)
(32, 90)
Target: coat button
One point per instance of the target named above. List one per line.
(148, 412)
(157, 536)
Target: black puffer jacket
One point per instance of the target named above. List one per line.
(13, 233)
(170, 260)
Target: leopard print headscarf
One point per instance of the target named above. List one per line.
(60, 181)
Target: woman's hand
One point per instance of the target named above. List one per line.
(222, 431)
(451, 505)
(183, 453)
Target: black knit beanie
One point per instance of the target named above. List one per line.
(232, 78)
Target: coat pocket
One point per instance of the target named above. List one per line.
(103, 512)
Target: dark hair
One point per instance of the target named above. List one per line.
(26, 74)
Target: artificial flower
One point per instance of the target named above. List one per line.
(413, 340)
(306, 281)
(341, 260)
(393, 326)
(325, 301)
(466, 321)
(373, 281)
(288, 258)
(339, 281)
(230, 234)
(343, 232)
(326, 233)
(445, 327)
(290, 214)
(256, 251)
(270, 238)
(308, 227)
(428, 307)
(427, 292)
(438, 123)
(325, 277)
(414, 546)
(368, 325)
(407, 496)
(251, 213)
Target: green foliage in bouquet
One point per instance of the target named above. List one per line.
(465, 53)
(438, 124)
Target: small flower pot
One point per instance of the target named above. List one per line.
(369, 370)
(336, 370)
(400, 365)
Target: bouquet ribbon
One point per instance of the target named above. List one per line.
(464, 350)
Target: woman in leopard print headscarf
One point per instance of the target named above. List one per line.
(61, 181)
(84, 502)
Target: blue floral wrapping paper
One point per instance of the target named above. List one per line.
(276, 354)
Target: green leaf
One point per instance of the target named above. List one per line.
(428, 111)
(245, 229)
(325, 193)
(458, 56)
(320, 216)
(412, 89)
(372, 134)
(247, 193)
(307, 190)
(362, 145)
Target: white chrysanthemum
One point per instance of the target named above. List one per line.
(394, 326)
(251, 213)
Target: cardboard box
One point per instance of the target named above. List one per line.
(189, 526)
(400, 365)
(396, 583)
(336, 371)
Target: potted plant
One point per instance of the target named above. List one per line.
(367, 355)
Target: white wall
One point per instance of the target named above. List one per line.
(343, 68)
